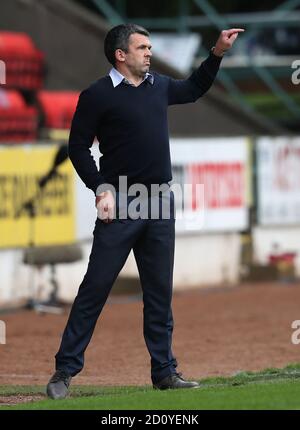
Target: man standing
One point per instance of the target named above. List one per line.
(127, 112)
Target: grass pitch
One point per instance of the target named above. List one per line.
(269, 389)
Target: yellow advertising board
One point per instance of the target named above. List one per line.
(31, 208)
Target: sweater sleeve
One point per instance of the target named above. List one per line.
(83, 131)
(189, 90)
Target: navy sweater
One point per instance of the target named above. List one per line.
(131, 126)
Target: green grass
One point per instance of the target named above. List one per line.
(269, 389)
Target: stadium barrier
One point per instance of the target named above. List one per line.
(65, 211)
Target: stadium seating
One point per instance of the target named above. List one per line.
(18, 122)
(24, 62)
(58, 108)
(25, 73)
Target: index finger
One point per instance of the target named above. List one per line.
(235, 30)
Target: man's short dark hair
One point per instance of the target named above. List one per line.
(118, 38)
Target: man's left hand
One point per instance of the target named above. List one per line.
(226, 40)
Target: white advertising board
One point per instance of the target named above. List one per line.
(278, 180)
(219, 166)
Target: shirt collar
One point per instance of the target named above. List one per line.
(117, 78)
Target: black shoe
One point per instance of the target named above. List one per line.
(174, 381)
(58, 386)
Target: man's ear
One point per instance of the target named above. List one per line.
(120, 55)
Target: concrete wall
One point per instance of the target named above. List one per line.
(202, 260)
(207, 263)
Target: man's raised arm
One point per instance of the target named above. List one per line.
(189, 90)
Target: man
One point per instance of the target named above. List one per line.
(127, 112)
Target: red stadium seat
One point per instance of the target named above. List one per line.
(18, 122)
(58, 107)
(25, 71)
(24, 62)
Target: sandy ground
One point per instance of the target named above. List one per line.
(217, 332)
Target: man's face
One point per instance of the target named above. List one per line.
(137, 59)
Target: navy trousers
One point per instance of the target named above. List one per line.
(152, 241)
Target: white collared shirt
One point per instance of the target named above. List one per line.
(117, 78)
